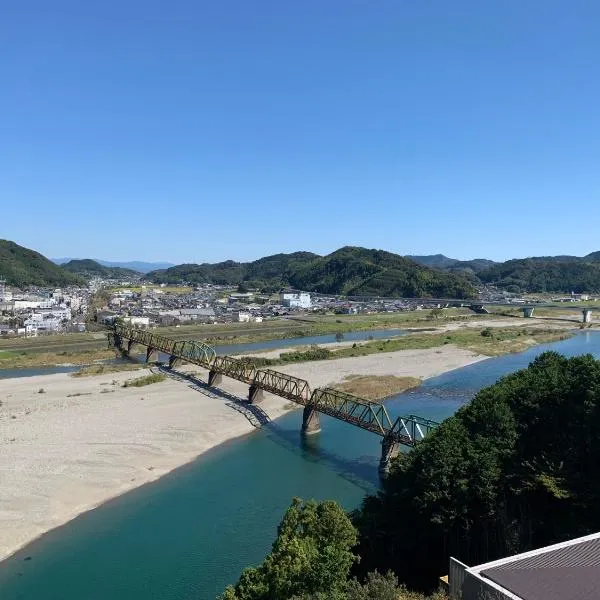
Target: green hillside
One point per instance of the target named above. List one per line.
(90, 268)
(350, 271)
(23, 267)
(546, 274)
(270, 272)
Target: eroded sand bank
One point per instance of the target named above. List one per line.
(85, 440)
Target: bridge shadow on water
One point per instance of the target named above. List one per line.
(362, 471)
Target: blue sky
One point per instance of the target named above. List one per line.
(194, 131)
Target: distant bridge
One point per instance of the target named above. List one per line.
(372, 416)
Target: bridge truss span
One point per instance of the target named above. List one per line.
(235, 368)
(411, 429)
(360, 412)
(282, 384)
(189, 350)
(363, 413)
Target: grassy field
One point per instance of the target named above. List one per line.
(486, 341)
(92, 370)
(377, 387)
(21, 360)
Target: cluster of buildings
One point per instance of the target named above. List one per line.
(210, 304)
(43, 311)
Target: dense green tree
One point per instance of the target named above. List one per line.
(375, 587)
(517, 468)
(312, 554)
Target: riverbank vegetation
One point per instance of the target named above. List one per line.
(488, 341)
(144, 380)
(517, 468)
(24, 360)
(376, 387)
(103, 369)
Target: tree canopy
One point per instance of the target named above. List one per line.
(515, 469)
(312, 554)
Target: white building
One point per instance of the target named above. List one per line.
(295, 299)
(137, 321)
(241, 317)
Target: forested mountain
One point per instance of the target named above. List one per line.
(546, 274)
(23, 267)
(90, 268)
(350, 270)
(361, 272)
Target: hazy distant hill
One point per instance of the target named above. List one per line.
(90, 268)
(439, 261)
(23, 267)
(349, 270)
(134, 265)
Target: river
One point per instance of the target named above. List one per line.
(190, 533)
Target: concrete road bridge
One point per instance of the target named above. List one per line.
(372, 416)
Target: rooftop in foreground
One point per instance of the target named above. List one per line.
(566, 571)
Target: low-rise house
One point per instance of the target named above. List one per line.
(137, 321)
(241, 317)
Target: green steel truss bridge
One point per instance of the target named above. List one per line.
(372, 416)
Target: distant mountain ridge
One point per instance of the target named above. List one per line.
(350, 270)
(440, 261)
(134, 265)
(90, 268)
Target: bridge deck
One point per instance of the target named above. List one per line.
(360, 412)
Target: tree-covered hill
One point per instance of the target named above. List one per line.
(546, 274)
(350, 271)
(517, 468)
(90, 268)
(23, 267)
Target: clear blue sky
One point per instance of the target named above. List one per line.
(190, 131)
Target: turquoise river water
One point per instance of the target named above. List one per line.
(189, 534)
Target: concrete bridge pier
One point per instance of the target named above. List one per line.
(528, 312)
(587, 315)
(214, 378)
(173, 361)
(130, 345)
(116, 341)
(389, 449)
(149, 352)
(255, 394)
(311, 423)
